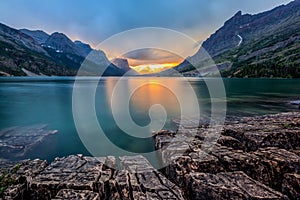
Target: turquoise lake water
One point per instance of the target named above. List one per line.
(26, 102)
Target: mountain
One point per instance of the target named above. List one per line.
(13, 35)
(124, 65)
(27, 52)
(84, 49)
(58, 41)
(261, 45)
(39, 36)
(121, 63)
(61, 43)
(72, 54)
(19, 51)
(63, 50)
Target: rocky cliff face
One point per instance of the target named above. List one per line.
(227, 37)
(244, 29)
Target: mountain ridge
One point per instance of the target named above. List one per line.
(26, 52)
(38, 35)
(266, 44)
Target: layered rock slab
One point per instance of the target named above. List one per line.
(139, 180)
(79, 177)
(265, 148)
(228, 185)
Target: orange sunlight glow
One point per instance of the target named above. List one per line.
(153, 68)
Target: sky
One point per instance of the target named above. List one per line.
(94, 21)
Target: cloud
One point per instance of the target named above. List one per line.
(144, 70)
(151, 56)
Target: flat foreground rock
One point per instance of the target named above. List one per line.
(228, 185)
(78, 177)
(265, 149)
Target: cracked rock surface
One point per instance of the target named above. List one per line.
(253, 158)
(79, 177)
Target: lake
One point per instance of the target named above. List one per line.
(35, 101)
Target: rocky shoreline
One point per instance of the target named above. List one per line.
(254, 158)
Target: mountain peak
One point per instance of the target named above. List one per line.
(59, 35)
(38, 35)
(83, 48)
(239, 13)
(78, 42)
(61, 42)
(121, 63)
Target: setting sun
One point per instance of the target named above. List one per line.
(153, 68)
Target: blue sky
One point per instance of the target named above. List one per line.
(95, 20)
